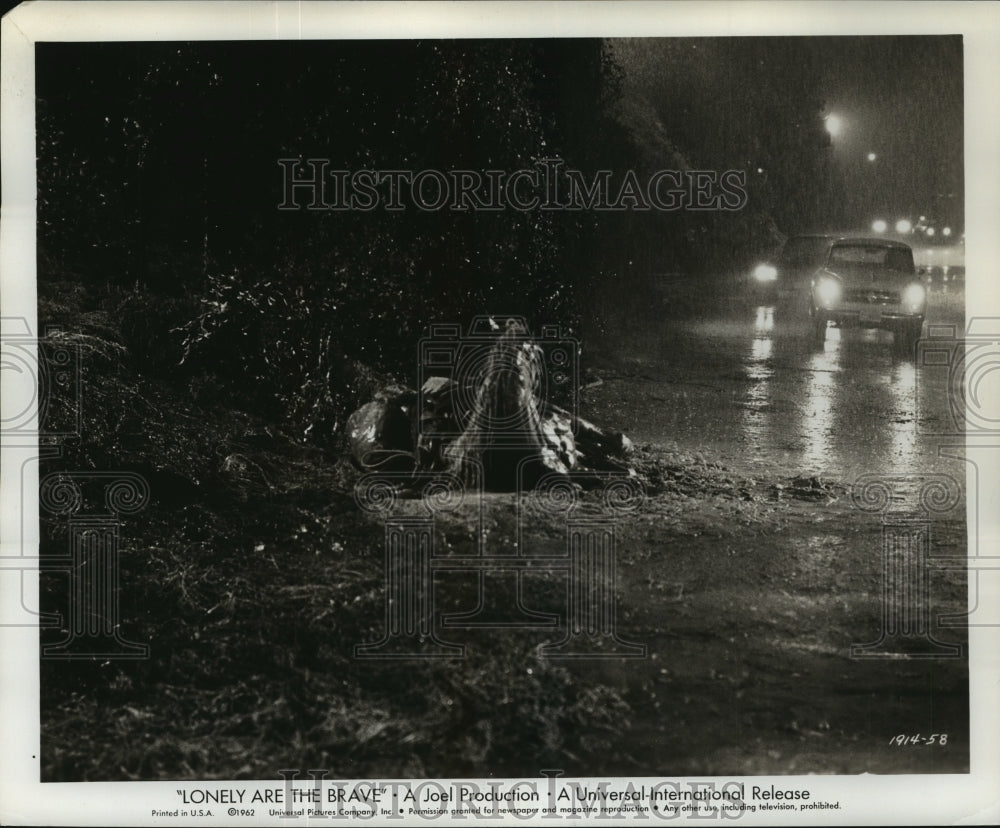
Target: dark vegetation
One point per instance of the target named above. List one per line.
(159, 186)
(224, 342)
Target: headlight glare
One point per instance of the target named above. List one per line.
(914, 295)
(828, 291)
(765, 273)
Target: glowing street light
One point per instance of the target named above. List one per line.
(903, 226)
(872, 156)
(879, 225)
(946, 231)
(834, 124)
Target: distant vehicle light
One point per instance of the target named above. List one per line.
(903, 226)
(828, 291)
(872, 156)
(765, 273)
(879, 226)
(923, 218)
(914, 296)
(929, 231)
(946, 231)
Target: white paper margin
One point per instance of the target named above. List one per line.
(872, 800)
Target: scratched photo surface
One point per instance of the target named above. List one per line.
(476, 408)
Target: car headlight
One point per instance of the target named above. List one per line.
(914, 296)
(828, 291)
(765, 273)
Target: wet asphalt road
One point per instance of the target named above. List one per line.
(745, 383)
(750, 619)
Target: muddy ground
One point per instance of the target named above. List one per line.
(253, 575)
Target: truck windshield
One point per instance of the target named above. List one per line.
(804, 250)
(899, 259)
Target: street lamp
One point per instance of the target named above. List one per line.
(834, 124)
(872, 156)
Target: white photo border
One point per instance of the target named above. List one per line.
(933, 799)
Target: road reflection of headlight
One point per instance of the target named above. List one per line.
(765, 273)
(828, 291)
(765, 322)
(914, 296)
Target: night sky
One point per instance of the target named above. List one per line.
(142, 133)
(900, 98)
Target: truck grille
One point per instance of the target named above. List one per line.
(871, 297)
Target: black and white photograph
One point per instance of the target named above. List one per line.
(410, 414)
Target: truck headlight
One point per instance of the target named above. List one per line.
(765, 273)
(828, 291)
(914, 297)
